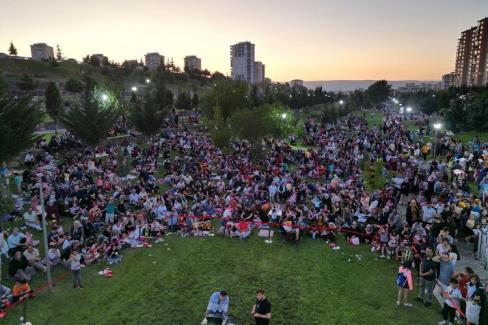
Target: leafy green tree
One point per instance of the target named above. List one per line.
(92, 118)
(379, 92)
(53, 102)
(456, 115)
(73, 85)
(12, 50)
(18, 120)
(183, 101)
(195, 101)
(27, 82)
(478, 113)
(229, 96)
(146, 114)
(428, 104)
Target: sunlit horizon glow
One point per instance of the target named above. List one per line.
(309, 40)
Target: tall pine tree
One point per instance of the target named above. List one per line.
(54, 102)
(59, 54)
(12, 50)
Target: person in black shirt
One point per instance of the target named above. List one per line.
(261, 311)
(427, 277)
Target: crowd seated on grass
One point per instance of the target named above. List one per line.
(183, 184)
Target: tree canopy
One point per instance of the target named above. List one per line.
(92, 118)
(53, 101)
(146, 114)
(18, 120)
(229, 96)
(378, 92)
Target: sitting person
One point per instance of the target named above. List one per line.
(21, 291)
(16, 241)
(243, 229)
(287, 226)
(19, 268)
(32, 255)
(218, 304)
(53, 255)
(5, 296)
(31, 219)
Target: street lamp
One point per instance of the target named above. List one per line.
(437, 127)
(409, 109)
(104, 97)
(134, 89)
(283, 116)
(148, 81)
(341, 102)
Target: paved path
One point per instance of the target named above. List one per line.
(465, 251)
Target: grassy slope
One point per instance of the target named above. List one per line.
(307, 284)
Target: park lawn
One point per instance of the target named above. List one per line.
(374, 119)
(308, 283)
(470, 136)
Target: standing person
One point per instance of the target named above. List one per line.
(427, 277)
(261, 311)
(446, 270)
(452, 296)
(404, 283)
(75, 264)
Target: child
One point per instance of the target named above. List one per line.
(392, 246)
(404, 284)
(452, 296)
(384, 239)
(21, 291)
(75, 265)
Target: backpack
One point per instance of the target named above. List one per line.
(401, 280)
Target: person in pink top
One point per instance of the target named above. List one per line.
(404, 283)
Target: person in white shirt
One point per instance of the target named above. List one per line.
(32, 255)
(31, 220)
(452, 296)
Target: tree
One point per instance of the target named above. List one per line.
(59, 54)
(12, 50)
(73, 85)
(378, 92)
(92, 118)
(18, 120)
(229, 96)
(27, 83)
(195, 101)
(183, 101)
(146, 115)
(86, 59)
(54, 102)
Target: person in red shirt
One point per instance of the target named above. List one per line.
(243, 229)
(464, 279)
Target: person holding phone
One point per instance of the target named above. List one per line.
(261, 310)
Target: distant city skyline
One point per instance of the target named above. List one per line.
(308, 40)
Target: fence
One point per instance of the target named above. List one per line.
(482, 252)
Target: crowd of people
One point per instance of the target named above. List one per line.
(182, 183)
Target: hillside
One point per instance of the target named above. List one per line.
(11, 70)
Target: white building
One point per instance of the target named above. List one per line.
(242, 61)
(296, 83)
(259, 72)
(100, 58)
(193, 63)
(42, 51)
(448, 80)
(153, 60)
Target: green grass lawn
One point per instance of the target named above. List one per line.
(308, 283)
(469, 136)
(374, 119)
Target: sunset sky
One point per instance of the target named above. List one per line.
(307, 39)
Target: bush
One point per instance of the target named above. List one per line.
(74, 86)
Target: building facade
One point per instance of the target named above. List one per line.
(472, 55)
(242, 61)
(42, 51)
(259, 72)
(448, 80)
(153, 60)
(193, 63)
(296, 83)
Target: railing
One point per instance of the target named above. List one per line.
(482, 251)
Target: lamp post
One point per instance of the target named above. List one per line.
(341, 102)
(134, 89)
(44, 233)
(437, 127)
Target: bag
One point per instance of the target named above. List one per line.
(472, 312)
(401, 280)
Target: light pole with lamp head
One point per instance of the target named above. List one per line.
(437, 127)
